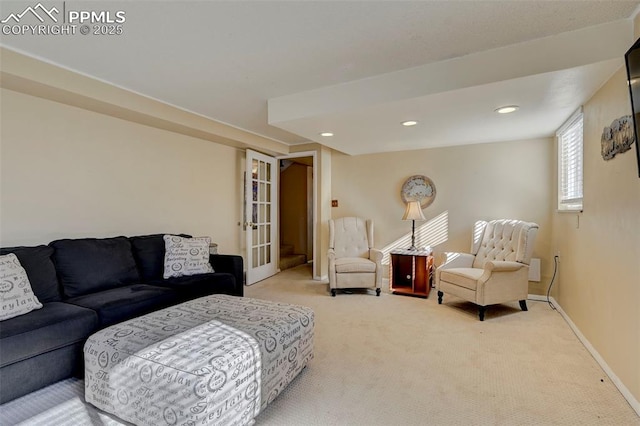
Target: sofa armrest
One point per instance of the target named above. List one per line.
(232, 264)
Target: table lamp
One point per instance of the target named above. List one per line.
(413, 212)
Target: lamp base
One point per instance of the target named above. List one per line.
(413, 236)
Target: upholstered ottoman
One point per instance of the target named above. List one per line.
(214, 360)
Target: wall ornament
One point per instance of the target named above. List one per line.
(418, 188)
(617, 138)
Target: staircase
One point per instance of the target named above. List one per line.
(288, 259)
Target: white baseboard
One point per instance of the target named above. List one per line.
(594, 353)
(538, 297)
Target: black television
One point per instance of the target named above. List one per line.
(632, 59)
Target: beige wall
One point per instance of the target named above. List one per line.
(488, 181)
(69, 172)
(599, 272)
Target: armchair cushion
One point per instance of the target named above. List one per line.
(350, 237)
(345, 265)
(463, 277)
(504, 239)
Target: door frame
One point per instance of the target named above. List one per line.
(314, 156)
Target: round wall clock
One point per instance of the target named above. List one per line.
(418, 188)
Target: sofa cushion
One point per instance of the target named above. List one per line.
(148, 251)
(186, 256)
(122, 303)
(54, 326)
(37, 262)
(88, 265)
(193, 286)
(16, 296)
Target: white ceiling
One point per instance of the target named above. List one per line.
(289, 70)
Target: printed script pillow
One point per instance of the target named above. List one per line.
(186, 256)
(16, 296)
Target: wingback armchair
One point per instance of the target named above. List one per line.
(496, 270)
(353, 262)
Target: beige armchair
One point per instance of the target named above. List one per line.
(496, 271)
(353, 262)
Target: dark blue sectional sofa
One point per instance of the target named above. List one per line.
(85, 285)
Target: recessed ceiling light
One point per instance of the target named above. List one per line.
(326, 134)
(507, 109)
(409, 123)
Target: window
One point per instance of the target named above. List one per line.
(570, 164)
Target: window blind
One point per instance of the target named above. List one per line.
(570, 142)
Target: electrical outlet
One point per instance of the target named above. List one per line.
(334, 203)
(557, 254)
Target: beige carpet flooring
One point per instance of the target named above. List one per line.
(397, 360)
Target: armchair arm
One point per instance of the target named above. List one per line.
(331, 259)
(376, 255)
(232, 264)
(453, 260)
(502, 281)
(503, 266)
(456, 260)
(331, 255)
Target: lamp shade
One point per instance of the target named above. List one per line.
(413, 211)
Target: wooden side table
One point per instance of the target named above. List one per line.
(411, 272)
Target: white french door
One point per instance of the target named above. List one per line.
(261, 216)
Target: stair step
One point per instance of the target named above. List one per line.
(291, 260)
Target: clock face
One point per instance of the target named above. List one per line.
(418, 188)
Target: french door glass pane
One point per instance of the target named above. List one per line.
(254, 215)
(263, 171)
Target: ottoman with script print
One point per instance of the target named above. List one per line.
(214, 360)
